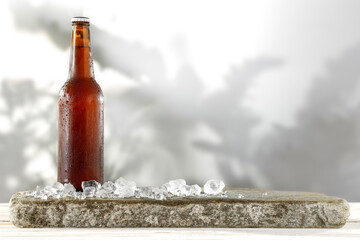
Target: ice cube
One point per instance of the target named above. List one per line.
(50, 191)
(90, 183)
(39, 188)
(109, 187)
(214, 187)
(102, 193)
(224, 194)
(111, 195)
(137, 193)
(124, 192)
(124, 188)
(89, 191)
(80, 195)
(58, 186)
(166, 186)
(106, 190)
(144, 192)
(185, 190)
(164, 190)
(39, 191)
(44, 197)
(195, 190)
(30, 193)
(120, 182)
(69, 190)
(56, 196)
(159, 193)
(174, 186)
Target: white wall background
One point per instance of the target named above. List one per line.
(258, 93)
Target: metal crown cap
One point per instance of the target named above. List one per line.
(80, 19)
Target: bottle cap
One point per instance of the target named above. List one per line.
(80, 19)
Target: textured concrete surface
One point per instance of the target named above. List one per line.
(270, 209)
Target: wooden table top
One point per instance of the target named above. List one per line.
(350, 231)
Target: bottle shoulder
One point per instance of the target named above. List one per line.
(80, 88)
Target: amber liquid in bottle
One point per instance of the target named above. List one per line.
(81, 115)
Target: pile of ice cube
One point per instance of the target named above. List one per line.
(123, 188)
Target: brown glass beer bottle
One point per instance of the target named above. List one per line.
(81, 114)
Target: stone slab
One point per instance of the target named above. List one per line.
(270, 209)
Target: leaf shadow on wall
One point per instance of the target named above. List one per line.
(21, 141)
(320, 153)
(153, 125)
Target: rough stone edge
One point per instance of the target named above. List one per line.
(313, 214)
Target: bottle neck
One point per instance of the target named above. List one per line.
(81, 66)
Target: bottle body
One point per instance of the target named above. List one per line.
(81, 119)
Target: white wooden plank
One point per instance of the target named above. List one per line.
(4, 218)
(354, 211)
(350, 231)
(4, 212)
